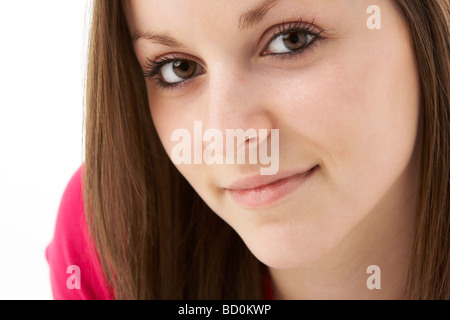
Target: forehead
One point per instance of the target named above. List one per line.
(180, 14)
(180, 11)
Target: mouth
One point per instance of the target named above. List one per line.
(259, 191)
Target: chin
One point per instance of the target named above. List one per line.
(290, 248)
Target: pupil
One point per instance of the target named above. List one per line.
(293, 37)
(184, 66)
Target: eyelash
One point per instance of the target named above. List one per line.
(153, 67)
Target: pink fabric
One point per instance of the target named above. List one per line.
(71, 245)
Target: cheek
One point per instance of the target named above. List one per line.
(164, 117)
(169, 116)
(359, 113)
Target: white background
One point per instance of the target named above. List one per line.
(41, 112)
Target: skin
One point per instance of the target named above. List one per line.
(350, 104)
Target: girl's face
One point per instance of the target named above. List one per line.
(343, 95)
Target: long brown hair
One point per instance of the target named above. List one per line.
(155, 236)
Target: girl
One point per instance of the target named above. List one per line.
(353, 96)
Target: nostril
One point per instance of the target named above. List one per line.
(250, 139)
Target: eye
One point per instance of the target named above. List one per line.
(179, 70)
(292, 41)
(292, 38)
(173, 71)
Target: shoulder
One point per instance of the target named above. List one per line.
(75, 271)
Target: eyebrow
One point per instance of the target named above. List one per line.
(246, 21)
(256, 15)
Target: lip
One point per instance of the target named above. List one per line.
(259, 191)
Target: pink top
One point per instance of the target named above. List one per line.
(71, 246)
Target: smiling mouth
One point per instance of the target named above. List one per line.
(254, 192)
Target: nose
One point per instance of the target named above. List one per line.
(237, 102)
